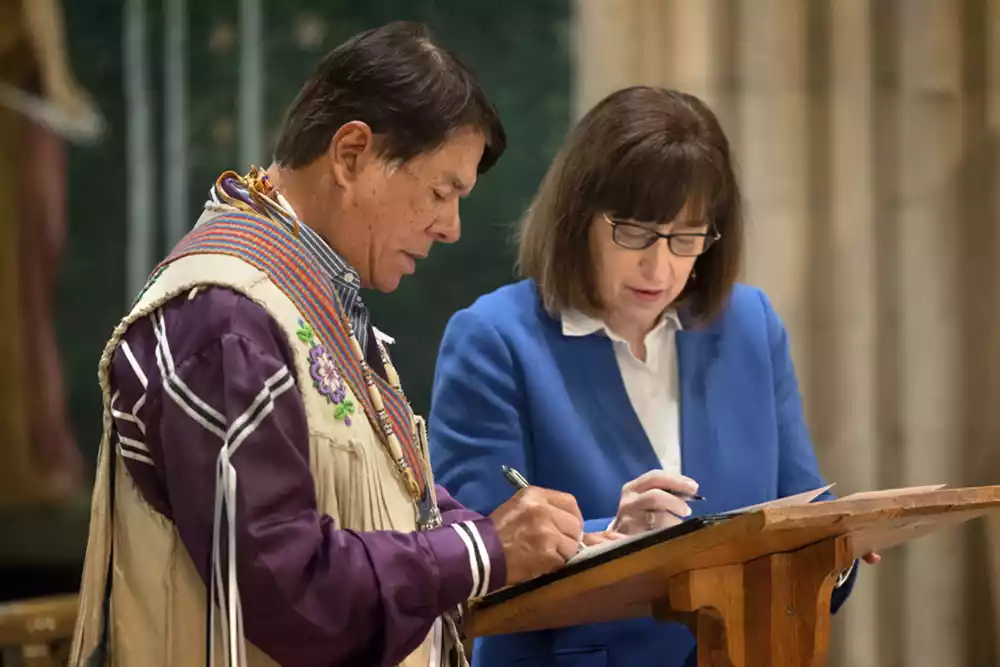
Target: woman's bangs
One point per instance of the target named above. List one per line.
(653, 184)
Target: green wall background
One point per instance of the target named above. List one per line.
(518, 48)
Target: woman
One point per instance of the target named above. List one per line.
(628, 363)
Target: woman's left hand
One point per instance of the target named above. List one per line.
(653, 500)
(872, 558)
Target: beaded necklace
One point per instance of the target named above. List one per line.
(270, 202)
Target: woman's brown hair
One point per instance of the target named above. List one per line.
(641, 154)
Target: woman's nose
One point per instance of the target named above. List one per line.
(657, 260)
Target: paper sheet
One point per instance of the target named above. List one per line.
(906, 491)
(589, 552)
(798, 499)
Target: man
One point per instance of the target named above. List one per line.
(263, 489)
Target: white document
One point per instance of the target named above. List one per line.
(906, 491)
(798, 499)
(589, 552)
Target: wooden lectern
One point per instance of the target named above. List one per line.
(754, 588)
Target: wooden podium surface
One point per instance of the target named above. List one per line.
(755, 588)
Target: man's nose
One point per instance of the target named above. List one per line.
(448, 229)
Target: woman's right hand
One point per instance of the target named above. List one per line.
(647, 504)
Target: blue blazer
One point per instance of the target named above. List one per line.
(511, 389)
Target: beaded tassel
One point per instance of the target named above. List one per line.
(396, 450)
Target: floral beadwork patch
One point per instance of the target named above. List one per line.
(325, 376)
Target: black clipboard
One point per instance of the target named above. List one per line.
(644, 542)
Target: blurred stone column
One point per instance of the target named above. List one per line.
(774, 145)
(695, 62)
(852, 447)
(930, 148)
(618, 43)
(670, 43)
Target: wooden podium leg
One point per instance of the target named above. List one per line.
(710, 602)
(772, 611)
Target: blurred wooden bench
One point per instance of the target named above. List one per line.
(37, 632)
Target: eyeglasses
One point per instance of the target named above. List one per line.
(637, 236)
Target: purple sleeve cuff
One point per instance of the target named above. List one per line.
(470, 559)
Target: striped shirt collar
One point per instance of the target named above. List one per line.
(344, 277)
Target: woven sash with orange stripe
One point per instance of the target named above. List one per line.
(273, 249)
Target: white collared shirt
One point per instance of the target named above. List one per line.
(652, 385)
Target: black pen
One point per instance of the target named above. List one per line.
(516, 479)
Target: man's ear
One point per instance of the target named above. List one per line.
(350, 148)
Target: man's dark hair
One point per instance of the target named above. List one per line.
(412, 93)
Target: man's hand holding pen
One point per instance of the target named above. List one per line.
(539, 529)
